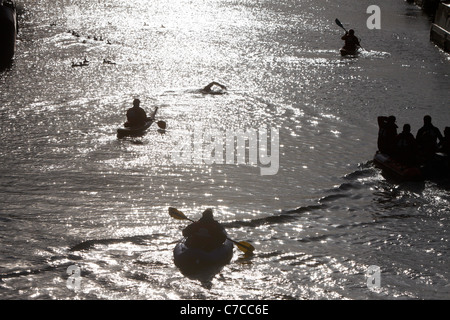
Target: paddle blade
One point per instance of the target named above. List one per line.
(339, 23)
(162, 124)
(177, 214)
(245, 247)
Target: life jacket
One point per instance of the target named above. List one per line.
(136, 116)
(428, 136)
(351, 42)
(405, 141)
(206, 235)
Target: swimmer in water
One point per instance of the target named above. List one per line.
(209, 88)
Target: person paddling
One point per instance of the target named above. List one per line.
(351, 41)
(136, 116)
(206, 233)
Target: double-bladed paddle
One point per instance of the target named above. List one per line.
(162, 124)
(340, 24)
(245, 247)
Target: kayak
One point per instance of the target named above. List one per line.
(8, 30)
(193, 261)
(136, 131)
(396, 168)
(345, 52)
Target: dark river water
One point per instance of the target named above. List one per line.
(321, 216)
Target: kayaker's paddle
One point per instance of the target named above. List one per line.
(340, 25)
(177, 214)
(245, 247)
(162, 124)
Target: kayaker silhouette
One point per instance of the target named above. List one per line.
(206, 233)
(136, 116)
(351, 41)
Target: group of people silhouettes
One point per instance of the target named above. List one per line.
(405, 147)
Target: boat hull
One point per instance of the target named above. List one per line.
(196, 262)
(435, 168)
(133, 131)
(8, 33)
(396, 168)
(345, 52)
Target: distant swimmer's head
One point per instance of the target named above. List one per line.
(136, 102)
(207, 214)
(351, 32)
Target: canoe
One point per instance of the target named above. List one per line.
(195, 262)
(396, 168)
(8, 30)
(345, 52)
(136, 131)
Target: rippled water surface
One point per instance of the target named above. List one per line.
(73, 194)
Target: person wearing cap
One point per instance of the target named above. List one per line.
(351, 41)
(444, 145)
(136, 116)
(206, 233)
(387, 134)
